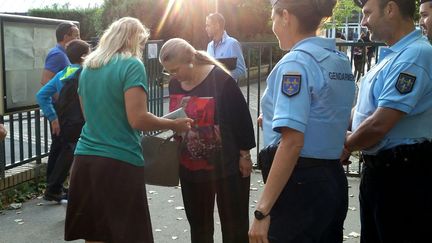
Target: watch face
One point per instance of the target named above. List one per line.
(259, 215)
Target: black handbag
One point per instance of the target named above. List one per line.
(161, 160)
(265, 159)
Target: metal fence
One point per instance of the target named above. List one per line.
(29, 133)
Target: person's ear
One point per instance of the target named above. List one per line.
(391, 9)
(286, 17)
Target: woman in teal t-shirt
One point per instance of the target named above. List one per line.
(107, 195)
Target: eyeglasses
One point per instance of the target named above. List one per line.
(169, 73)
(173, 71)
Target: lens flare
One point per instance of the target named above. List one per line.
(173, 7)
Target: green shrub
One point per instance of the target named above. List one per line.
(90, 19)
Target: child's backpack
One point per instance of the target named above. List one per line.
(68, 109)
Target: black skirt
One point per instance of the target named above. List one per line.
(107, 202)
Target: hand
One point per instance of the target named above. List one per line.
(346, 154)
(3, 132)
(259, 120)
(345, 157)
(258, 232)
(55, 127)
(182, 125)
(245, 165)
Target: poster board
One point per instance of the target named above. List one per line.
(25, 42)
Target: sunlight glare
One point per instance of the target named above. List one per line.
(173, 6)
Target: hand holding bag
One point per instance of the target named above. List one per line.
(161, 160)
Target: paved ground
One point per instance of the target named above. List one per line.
(39, 221)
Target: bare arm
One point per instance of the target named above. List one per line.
(46, 76)
(373, 129)
(285, 160)
(139, 118)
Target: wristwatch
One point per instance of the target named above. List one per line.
(259, 215)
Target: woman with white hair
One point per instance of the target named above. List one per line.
(214, 160)
(107, 194)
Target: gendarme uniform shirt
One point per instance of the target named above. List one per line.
(402, 80)
(311, 89)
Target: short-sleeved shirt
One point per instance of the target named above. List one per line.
(56, 59)
(222, 127)
(311, 90)
(228, 47)
(402, 80)
(107, 132)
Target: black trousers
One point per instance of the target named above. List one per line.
(396, 201)
(312, 207)
(59, 163)
(54, 152)
(232, 196)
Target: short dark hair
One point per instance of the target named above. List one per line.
(63, 29)
(407, 8)
(76, 49)
(217, 18)
(310, 13)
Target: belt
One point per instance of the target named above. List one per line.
(304, 162)
(399, 156)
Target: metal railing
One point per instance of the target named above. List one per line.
(29, 133)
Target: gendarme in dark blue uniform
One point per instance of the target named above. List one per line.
(311, 90)
(396, 186)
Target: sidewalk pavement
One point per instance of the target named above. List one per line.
(39, 221)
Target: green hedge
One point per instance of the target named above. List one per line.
(90, 19)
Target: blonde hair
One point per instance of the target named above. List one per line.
(125, 37)
(180, 51)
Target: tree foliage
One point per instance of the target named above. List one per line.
(344, 9)
(89, 18)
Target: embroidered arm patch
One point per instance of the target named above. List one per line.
(405, 83)
(291, 84)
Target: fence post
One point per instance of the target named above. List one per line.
(2, 154)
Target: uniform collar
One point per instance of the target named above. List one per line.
(323, 42)
(406, 40)
(224, 37)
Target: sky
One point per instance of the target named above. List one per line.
(22, 6)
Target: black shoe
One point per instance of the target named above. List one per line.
(48, 196)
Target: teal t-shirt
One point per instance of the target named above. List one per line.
(107, 132)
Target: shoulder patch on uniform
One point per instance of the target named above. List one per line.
(405, 83)
(291, 83)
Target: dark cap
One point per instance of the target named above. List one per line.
(360, 3)
(424, 1)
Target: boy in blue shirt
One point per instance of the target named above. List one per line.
(76, 50)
